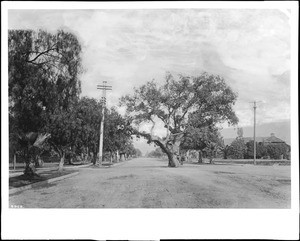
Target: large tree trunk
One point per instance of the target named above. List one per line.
(200, 159)
(117, 156)
(61, 163)
(225, 152)
(71, 160)
(172, 152)
(122, 157)
(173, 160)
(94, 158)
(211, 157)
(188, 156)
(170, 146)
(71, 156)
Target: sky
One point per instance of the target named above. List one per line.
(250, 48)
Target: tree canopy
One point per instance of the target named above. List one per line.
(44, 70)
(180, 104)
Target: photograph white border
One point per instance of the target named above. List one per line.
(150, 224)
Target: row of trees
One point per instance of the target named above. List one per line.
(44, 89)
(238, 149)
(46, 113)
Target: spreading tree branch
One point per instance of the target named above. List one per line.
(41, 53)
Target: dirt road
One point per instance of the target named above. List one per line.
(148, 183)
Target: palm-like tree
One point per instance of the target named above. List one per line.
(30, 144)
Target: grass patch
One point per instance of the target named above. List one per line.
(22, 180)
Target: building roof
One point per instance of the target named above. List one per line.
(228, 141)
(270, 139)
(274, 139)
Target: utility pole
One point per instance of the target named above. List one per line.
(254, 141)
(254, 131)
(104, 88)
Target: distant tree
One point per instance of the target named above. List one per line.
(88, 115)
(138, 152)
(261, 150)
(128, 149)
(157, 153)
(205, 99)
(225, 150)
(240, 132)
(117, 134)
(277, 151)
(237, 149)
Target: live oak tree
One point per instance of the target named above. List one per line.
(44, 71)
(204, 100)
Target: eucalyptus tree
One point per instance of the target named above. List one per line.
(187, 101)
(43, 71)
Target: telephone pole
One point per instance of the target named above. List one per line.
(254, 141)
(104, 88)
(254, 131)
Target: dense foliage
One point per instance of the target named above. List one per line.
(44, 71)
(185, 106)
(237, 149)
